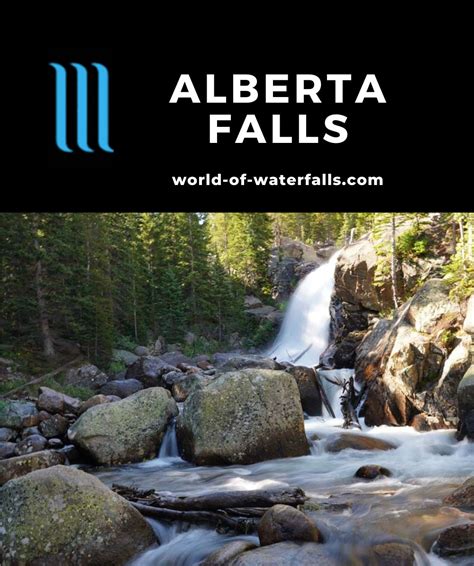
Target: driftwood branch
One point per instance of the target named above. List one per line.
(323, 395)
(238, 511)
(42, 377)
(219, 519)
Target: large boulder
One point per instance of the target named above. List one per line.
(394, 361)
(88, 376)
(149, 370)
(355, 277)
(243, 417)
(430, 304)
(310, 397)
(285, 553)
(64, 516)
(21, 465)
(18, 414)
(392, 554)
(282, 522)
(343, 441)
(130, 430)
(30, 444)
(466, 404)
(56, 402)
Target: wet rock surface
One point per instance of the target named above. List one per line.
(284, 523)
(344, 441)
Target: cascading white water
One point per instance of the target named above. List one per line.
(306, 324)
(169, 444)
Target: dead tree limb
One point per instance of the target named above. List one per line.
(41, 378)
(219, 519)
(323, 395)
(214, 501)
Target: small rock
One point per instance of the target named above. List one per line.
(142, 351)
(343, 441)
(251, 302)
(393, 554)
(282, 522)
(223, 555)
(55, 443)
(44, 416)
(173, 377)
(55, 402)
(124, 356)
(93, 401)
(149, 370)
(22, 465)
(158, 348)
(29, 431)
(176, 357)
(456, 541)
(372, 472)
(113, 398)
(18, 414)
(57, 425)
(33, 443)
(121, 388)
(463, 496)
(204, 365)
(7, 434)
(7, 449)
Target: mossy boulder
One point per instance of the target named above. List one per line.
(22, 465)
(18, 414)
(64, 516)
(243, 417)
(130, 430)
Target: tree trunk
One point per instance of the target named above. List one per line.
(48, 346)
(394, 262)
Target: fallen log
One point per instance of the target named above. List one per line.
(219, 519)
(214, 501)
(322, 393)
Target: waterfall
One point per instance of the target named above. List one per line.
(169, 444)
(305, 327)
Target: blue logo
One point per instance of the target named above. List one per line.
(82, 108)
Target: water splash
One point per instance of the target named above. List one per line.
(306, 324)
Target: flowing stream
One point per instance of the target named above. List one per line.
(353, 513)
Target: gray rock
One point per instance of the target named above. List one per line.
(57, 425)
(142, 351)
(124, 356)
(251, 302)
(282, 523)
(243, 417)
(223, 555)
(7, 449)
(130, 430)
(392, 554)
(33, 443)
(29, 431)
(55, 443)
(149, 370)
(7, 434)
(176, 357)
(229, 362)
(287, 553)
(430, 304)
(88, 376)
(64, 516)
(55, 402)
(121, 388)
(18, 414)
(22, 465)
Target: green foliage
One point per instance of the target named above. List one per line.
(125, 343)
(116, 366)
(262, 335)
(412, 243)
(459, 271)
(82, 393)
(10, 384)
(447, 339)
